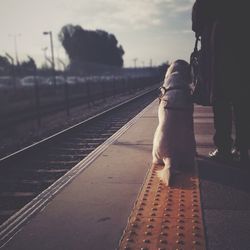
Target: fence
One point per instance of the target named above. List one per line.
(20, 102)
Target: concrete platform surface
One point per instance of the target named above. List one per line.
(225, 192)
(91, 212)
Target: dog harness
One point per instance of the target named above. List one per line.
(171, 101)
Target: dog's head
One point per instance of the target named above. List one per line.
(177, 83)
(182, 69)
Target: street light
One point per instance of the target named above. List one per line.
(52, 55)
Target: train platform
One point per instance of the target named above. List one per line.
(113, 200)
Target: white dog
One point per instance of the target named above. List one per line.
(174, 142)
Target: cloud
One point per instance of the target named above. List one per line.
(129, 14)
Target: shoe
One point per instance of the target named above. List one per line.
(235, 154)
(219, 156)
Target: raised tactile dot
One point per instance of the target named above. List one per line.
(180, 234)
(196, 242)
(163, 234)
(180, 221)
(148, 233)
(150, 226)
(163, 242)
(132, 232)
(146, 241)
(195, 234)
(129, 240)
(180, 242)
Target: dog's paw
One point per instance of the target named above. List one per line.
(164, 175)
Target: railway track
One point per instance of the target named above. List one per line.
(27, 173)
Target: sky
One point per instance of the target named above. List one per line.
(157, 30)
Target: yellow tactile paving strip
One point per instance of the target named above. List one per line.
(167, 218)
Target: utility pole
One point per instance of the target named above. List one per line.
(135, 60)
(150, 63)
(52, 56)
(15, 46)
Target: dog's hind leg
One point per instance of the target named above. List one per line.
(156, 158)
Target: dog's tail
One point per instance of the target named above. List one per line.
(165, 174)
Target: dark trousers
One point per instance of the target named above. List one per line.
(226, 111)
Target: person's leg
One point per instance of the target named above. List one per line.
(222, 109)
(241, 111)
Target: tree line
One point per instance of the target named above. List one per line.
(81, 46)
(23, 68)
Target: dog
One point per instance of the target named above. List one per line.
(174, 141)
